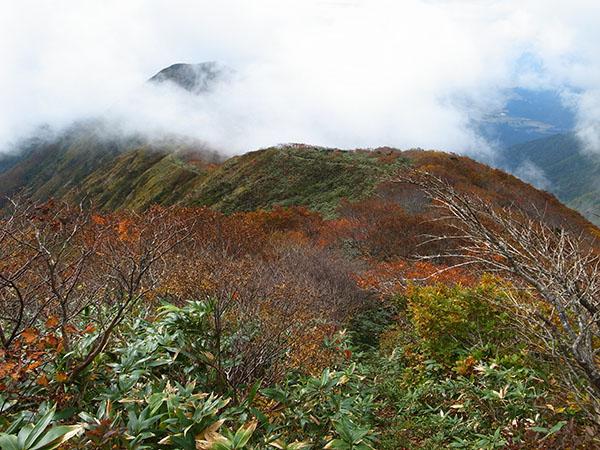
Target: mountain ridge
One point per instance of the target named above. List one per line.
(134, 174)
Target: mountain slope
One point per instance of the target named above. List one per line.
(295, 175)
(309, 176)
(572, 174)
(111, 171)
(56, 165)
(136, 174)
(143, 176)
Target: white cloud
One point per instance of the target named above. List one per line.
(336, 73)
(531, 173)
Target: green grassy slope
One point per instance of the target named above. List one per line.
(314, 177)
(55, 166)
(109, 171)
(135, 174)
(139, 178)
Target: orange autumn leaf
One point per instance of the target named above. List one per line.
(30, 335)
(71, 329)
(6, 368)
(99, 220)
(42, 381)
(51, 322)
(60, 377)
(89, 329)
(51, 341)
(33, 366)
(124, 226)
(124, 229)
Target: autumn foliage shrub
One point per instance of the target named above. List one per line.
(454, 373)
(187, 328)
(65, 269)
(449, 319)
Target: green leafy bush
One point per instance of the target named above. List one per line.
(37, 436)
(452, 374)
(156, 388)
(449, 319)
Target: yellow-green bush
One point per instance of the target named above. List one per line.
(448, 320)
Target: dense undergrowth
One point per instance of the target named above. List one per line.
(185, 328)
(156, 388)
(422, 384)
(453, 373)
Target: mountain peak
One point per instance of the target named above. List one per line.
(200, 77)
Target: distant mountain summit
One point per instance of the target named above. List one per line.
(196, 78)
(40, 160)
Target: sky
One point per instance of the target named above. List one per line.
(339, 73)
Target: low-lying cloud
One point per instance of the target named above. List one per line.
(532, 174)
(334, 73)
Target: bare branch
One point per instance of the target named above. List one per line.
(562, 267)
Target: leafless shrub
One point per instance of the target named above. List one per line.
(60, 262)
(560, 268)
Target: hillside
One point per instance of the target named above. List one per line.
(54, 165)
(295, 175)
(571, 174)
(313, 177)
(139, 177)
(284, 326)
(133, 174)
(87, 162)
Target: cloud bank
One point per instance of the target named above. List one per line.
(335, 73)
